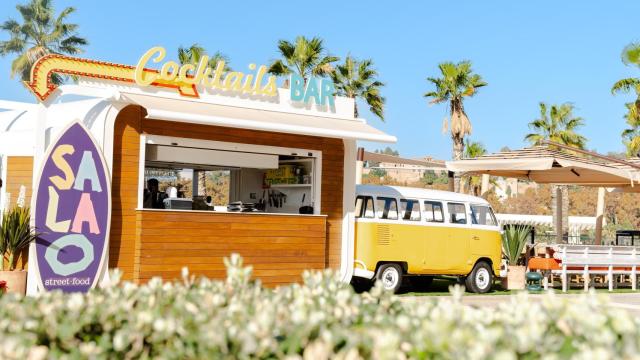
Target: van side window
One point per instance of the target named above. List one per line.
(457, 213)
(410, 209)
(433, 211)
(387, 208)
(482, 215)
(364, 207)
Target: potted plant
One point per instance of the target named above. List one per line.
(514, 238)
(16, 234)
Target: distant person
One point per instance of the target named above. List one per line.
(153, 199)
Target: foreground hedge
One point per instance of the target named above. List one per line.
(322, 318)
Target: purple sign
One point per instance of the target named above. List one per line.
(72, 213)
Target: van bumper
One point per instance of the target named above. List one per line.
(360, 270)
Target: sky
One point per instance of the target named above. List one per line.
(551, 51)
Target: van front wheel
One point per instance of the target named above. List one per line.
(480, 279)
(391, 276)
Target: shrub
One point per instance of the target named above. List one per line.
(514, 239)
(16, 234)
(321, 318)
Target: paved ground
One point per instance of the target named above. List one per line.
(626, 301)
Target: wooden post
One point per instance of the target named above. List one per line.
(485, 184)
(599, 216)
(633, 270)
(559, 230)
(451, 181)
(359, 165)
(564, 269)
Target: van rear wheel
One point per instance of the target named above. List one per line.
(480, 279)
(391, 276)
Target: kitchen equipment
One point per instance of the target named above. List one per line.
(235, 206)
(307, 210)
(178, 204)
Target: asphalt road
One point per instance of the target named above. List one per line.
(626, 301)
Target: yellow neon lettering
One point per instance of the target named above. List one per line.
(149, 78)
(184, 71)
(169, 71)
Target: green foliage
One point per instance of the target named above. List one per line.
(387, 151)
(474, 149)
(39, 34)
(557, 124)
(16, 233)
(306, 57)
(359, 80)
(378, 173)
(321, 318)
(430, 178)
(195, 52)
(514, 238)
(631, 135)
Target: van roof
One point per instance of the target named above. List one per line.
(416, 193)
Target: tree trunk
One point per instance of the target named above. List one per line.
(202, 183)
(564, 193)
(458, 150)
(565, 210)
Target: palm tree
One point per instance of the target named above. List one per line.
(631, 136)
(358, 80)
(458, 81)
(195, 52)
(472, 150)
(306, 57)
(558, 124)
(40, 33)
(630, 56)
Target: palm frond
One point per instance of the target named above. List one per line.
(625, 85)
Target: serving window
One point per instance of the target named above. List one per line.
(188, 174)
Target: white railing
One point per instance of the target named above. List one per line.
(587, 260)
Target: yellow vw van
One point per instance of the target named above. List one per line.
(402, 231)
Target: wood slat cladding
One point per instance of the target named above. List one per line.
(124, 190)
(287, 244)
(19, 172)
(276, 246)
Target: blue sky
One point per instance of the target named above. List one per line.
(552, 51)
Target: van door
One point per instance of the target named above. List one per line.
(435, 237)
(486, 240)
(457, 250)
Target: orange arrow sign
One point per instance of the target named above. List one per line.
(41, 85)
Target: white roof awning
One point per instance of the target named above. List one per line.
(193, 111)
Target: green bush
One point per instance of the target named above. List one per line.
(514, 238)
(321, 318)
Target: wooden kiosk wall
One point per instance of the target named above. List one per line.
(147, 243)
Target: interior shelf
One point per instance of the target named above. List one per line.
(290, 185)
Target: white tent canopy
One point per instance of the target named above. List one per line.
(548, 166)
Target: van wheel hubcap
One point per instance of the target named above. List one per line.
(482, 278)
(390, 278)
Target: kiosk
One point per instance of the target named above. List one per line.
(201, 164)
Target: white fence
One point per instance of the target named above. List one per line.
(587, 260)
